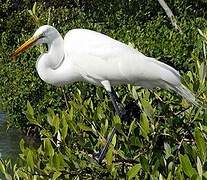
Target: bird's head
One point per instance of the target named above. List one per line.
(44, 34)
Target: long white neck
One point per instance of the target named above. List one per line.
(51, 66)
(55, 52)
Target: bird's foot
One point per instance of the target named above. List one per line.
(131, 110)
(98, 157)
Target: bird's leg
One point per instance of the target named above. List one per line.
(118, 106)
(105, 149)
(114, 100)
(132, 109)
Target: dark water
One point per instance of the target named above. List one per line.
(9, 140)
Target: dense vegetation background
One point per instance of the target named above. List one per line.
(165, 139)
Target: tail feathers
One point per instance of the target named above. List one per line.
(186, 93)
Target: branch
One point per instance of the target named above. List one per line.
(128, 161)
(170, 15)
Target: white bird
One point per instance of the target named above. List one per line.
(86, 55)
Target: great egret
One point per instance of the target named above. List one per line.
(86, 55)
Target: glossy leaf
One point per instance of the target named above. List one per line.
(56, 175)
(109, 156)
(48, 147)
(84, 127)
(30, 160)
(64, 129)
(2, 167)
(201, 144)
(199, 167)
(133, 171)
(186, 165)
(148, 109)
(144, 123)
(144, 163)
(21, 145)
(30, 109)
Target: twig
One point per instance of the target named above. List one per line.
(170, 15)
(128, 161)
(65, 98)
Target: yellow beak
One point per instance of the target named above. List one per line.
(24, 46)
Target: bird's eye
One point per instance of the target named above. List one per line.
(42, 35)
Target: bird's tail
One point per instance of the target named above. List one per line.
(186, 93)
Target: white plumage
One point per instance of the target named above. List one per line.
(86, 55)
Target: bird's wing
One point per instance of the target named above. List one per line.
(100, 57)
(94, 43)
(96, 53)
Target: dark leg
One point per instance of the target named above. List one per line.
(132, 109)
(115, 101)
(105, 149)
(120, 113)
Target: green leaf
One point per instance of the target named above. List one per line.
(167, 150)
(51, 118)
(32, 120)
(71, 113)
(106, 125)
(30, 115)
(30, 12)
(190, 150)
(144, 123)
(56, 175)
(161, 177)
(56, 123)
(109, 156)
(49, 16)
(144, 163)
(169, 177)
(51, 112)
(84, 127)
(30, 160)
(45, 132)
(22, 174)
(202, 73)
(116, 119)
(70, 120)
(113, 142)
(30, 109)
(56, 161)
(100, 112)
(133, 171)
(186, 165)
(148, 109)
(134, 93)
(120, 129)
(68, 152)
(131, 127)
(48, 147)
(7, 176)
(201, 144)
(21, 145)
(34, 8)
(179, 174)
(201, 33)
(64, 130)
(199, 167)
(205, 174)
(2, 167)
